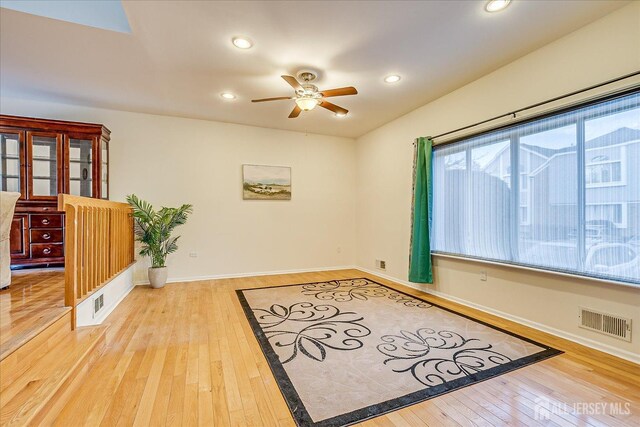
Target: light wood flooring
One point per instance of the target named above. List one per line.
(185, 355)
(34, 301)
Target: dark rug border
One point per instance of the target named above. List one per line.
(296, 406)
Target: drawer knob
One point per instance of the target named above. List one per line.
(46, 251)
(45, 221)
(46, 236)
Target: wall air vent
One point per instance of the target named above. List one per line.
(608, 324)
(98, 303)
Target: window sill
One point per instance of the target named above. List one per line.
(534, 269)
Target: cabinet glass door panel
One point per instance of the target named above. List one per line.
(80, 173)
(104, 169)
(11, 171)
(44, 156)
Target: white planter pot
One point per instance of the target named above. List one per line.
(157, 277)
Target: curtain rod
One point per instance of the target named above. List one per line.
(557, 98)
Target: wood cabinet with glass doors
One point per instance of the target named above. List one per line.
(39, 159)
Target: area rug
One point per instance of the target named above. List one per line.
(343, 351)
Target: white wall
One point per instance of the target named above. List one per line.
(603, 50)
(170, 161)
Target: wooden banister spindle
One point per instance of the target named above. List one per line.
(103, 249)
(86, 243)
(93, 247)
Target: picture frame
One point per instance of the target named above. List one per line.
(264, 182)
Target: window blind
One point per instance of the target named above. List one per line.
(560, 192)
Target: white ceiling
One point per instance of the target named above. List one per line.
(179, 57)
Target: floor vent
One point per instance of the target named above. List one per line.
(614, 326)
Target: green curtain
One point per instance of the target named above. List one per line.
(420, 270)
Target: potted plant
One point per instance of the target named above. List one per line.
(153, 229)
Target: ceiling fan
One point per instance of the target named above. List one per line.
(307, 96)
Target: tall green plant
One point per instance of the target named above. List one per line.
(153, 228)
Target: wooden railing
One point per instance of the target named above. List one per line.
(98, 244)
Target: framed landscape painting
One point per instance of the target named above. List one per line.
(266, 182)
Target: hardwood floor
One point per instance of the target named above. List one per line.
(185, 355)
(34, 301)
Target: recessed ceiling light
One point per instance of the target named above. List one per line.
(242, 42)
(393, 78)
(496, 5)
(227, 95)
(341, 115)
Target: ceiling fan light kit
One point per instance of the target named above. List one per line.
(307, 96)
(307, 104)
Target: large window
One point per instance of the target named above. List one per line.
(561, 192)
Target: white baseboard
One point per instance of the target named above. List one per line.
(623, 354)
(239, 275)
(114, 292)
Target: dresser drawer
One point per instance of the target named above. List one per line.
(46, 250)
(49, 210)
(44, 235)
(46, 221)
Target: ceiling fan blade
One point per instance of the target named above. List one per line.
(271, 99)
(333, 107)
(295, 112)
(293, 82)
(340, 92)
